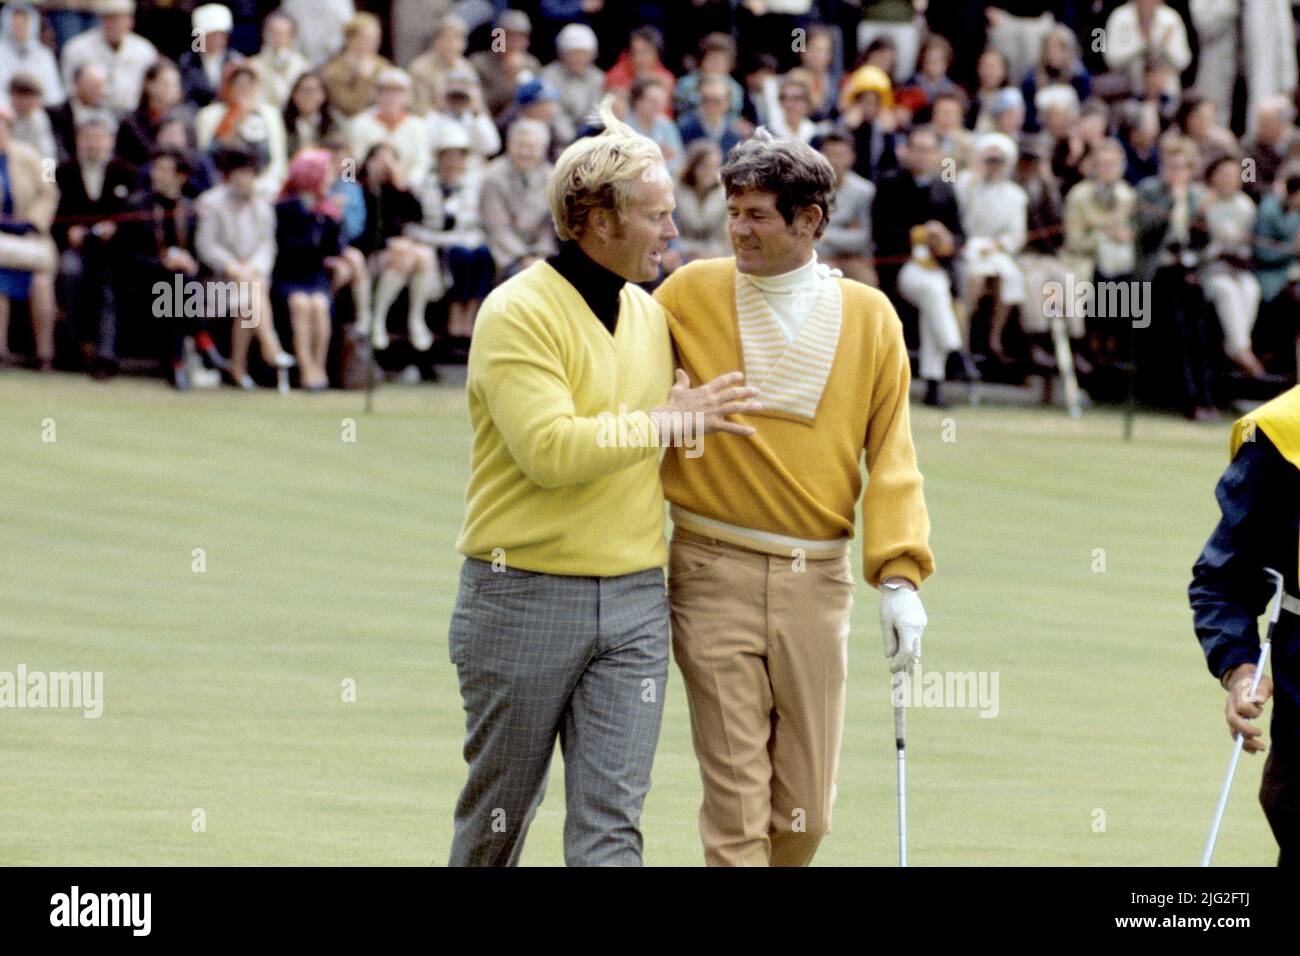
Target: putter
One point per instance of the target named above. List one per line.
(1240, 740)
(900, 726)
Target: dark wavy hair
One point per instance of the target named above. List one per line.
(790, 169)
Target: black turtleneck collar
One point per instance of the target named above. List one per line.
(597, 285)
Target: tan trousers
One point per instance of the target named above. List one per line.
(762, 643)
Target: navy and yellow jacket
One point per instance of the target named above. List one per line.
(1259, 496)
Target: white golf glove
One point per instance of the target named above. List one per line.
(902, 621)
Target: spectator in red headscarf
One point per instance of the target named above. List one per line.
(308, 237)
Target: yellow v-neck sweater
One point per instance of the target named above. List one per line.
(800, 475)
(559, 483)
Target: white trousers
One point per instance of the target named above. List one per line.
(1216, 72)
(1236, 298)
(931, 293)
(1011, 289)
(1270, 55)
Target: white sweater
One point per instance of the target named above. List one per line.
(996, 210)
(410, 140)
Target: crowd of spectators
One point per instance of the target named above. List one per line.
(379, 170)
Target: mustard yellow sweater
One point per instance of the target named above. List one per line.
(554, 485)
(839, 390)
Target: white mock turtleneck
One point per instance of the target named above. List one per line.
(792, 295)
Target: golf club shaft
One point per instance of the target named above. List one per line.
(1240, 741)
(1223, 802)
(1236, 752)
(900, 727)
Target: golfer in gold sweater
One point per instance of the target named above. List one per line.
(760, 583)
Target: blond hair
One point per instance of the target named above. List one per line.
(362, 21)
(598, 172)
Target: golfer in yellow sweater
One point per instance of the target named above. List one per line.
(561, 620)
(759, 577)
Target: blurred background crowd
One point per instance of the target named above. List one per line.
(1121, 175)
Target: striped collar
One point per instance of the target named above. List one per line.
(790, 377)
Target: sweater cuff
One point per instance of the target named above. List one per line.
(900, 567)
(1233, 656)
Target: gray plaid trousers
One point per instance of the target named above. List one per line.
(539, 655)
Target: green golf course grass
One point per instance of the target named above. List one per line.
(330, 561)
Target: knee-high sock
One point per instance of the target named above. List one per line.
(387, 290)
(421, 292)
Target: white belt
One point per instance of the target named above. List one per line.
(1291, 604)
